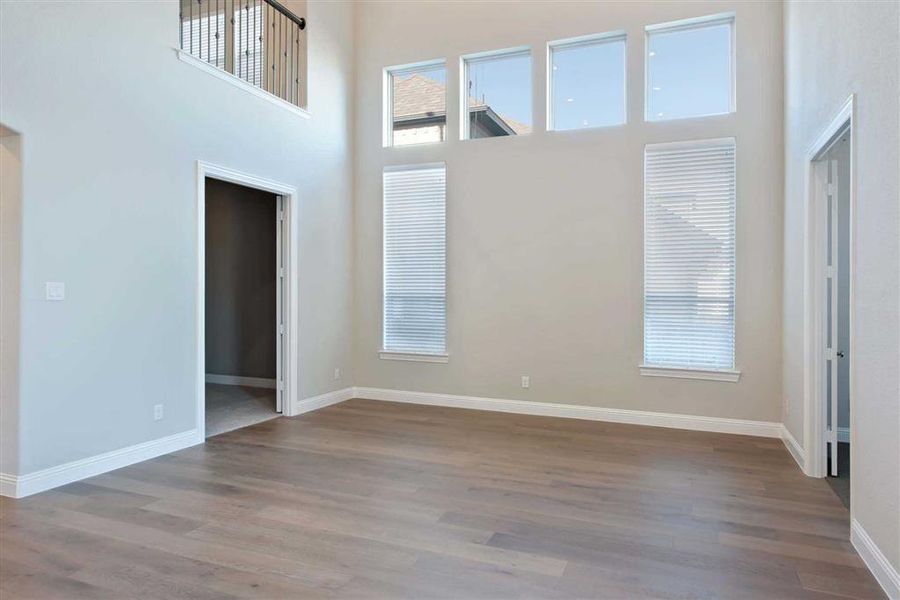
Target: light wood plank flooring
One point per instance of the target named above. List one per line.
(378, 500)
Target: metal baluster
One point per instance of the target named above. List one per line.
(262, 47)
(293, 63)
(274, 51)
(246, 52)
(239, 38)
(230, 36)
(200, 29)
(217, 33)
(283, 48)
(259, 43)
(279, 71)
(270, 55)
(208, 29)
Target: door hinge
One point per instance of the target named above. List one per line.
(281, 272)
(829, 353)
(829, 271)
(281, 213)
(281, 385)
(830, 189)
(281, 329)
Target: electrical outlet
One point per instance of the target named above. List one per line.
(337, 374)
(526, 381)
(158, 412)
(55, 291)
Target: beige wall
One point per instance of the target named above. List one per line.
(10, 255)
(545, 230)
(833, 50)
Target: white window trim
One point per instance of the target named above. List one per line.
(730, 375)
(414, 356)
(239, 83)
(387, 95)
(586, 40)
(682, 25)
(464, 78)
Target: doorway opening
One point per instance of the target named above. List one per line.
(247, 320)
(243, 304)
(832, 212)
(836, 161)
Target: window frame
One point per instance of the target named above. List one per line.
(687, 25)
(387, 112)
(588, 40)
(408, 354)
(464, 61)
(731, 374)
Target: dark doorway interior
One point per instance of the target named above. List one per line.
(241, 336)
(841, 483)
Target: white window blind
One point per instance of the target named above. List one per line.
(415, 248)
(689, 254)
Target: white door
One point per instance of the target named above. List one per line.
(279, 304)
(831, 326)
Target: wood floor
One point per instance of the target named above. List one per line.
(378, 500)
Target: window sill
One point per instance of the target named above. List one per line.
(414, 356)
(240, 83)
(685, 373)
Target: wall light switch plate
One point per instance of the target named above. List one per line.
(158, 412)
(337, 374)
(56, 291)
(526, 381)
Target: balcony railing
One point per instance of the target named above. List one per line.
(259, 41)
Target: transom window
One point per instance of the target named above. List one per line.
(416, 104)
(690, 68)
(496, 94)
(587, 82)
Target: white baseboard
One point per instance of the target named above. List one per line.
(8, 485)
(322, 400)
(257, 382)
(886, 575)
(25, 485)
(577, 411)
(20, 486)
(794, 447)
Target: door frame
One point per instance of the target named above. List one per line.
(814, 413)
(290, 309)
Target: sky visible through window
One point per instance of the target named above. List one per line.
(588, 84)
(504, 84)
(689, 72)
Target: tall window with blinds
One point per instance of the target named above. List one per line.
(415, 258)
(689, 255)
